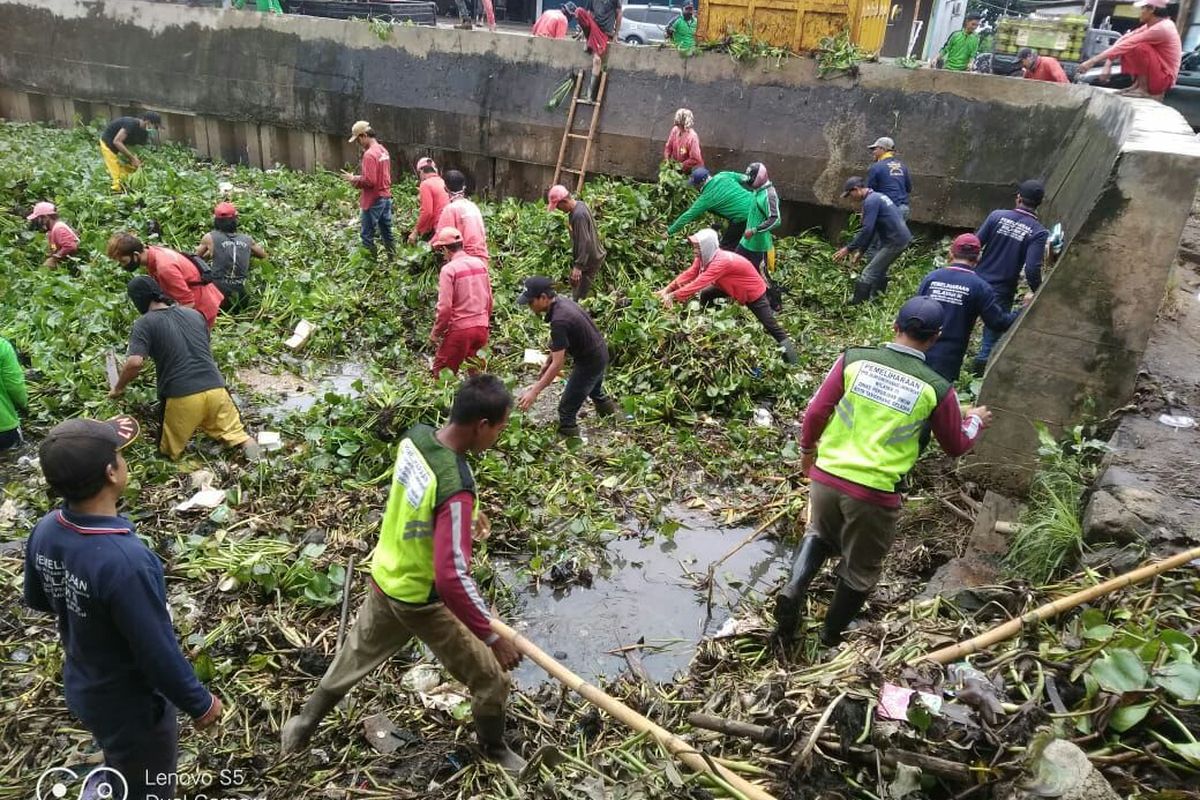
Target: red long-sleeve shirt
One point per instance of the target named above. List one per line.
(464, 295)
(955, 434)
(684, 147)
(452, 579)
(551, 24)
(729, 272)
(180, 281)
(62, 240)
(461, 213)
(434, 199)
(375, 178)
(1160, 39)
(1047, 69)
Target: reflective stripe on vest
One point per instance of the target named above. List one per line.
(873, 438)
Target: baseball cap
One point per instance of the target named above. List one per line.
(360, 127)
(1032, 191)
(75, 454)
(920, 315)
(966, 245)
(699, 176)
(1151, 3)
(447, 235)
(1024, 53)
(225, 210)
(852, 184)
(883, 141)
(569, 9)
(556, 195)
(42, 209)
(425, 162)
(144, 290)
(536, 286)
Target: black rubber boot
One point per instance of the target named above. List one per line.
(862, 291)
(568, 431)
(606, 408)
(298, 730)
(790, 600)
(878, 287)
(594, 87)
(490, 732)
(789, 352)
(846, 604)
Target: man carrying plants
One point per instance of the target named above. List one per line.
(464, 305)
(176, 275)
(587, 252)
(374, 184)
(421, 585)
(190, 386)
(859, 439)
(123, 674)
(571, 331)
(718, 273)
(63, 241)
(725, 195)
(121, 134)
(229, 252)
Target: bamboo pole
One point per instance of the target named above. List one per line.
(1053, 609)
(687, 754)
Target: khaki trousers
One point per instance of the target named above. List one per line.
(862, 532)
(385, 626)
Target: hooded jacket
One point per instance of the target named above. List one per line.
(731, 273)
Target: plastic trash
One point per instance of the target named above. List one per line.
(1177, 421)
(763, 418)
(535, 357)
(269, 440)
(304, 329)
(205, 498)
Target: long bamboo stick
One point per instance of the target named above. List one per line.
(1053, 609)
(687, 754)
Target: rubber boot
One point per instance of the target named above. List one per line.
(568, 431)
(490, 732)
(790, 600)
(606, 408)
(789, 352)
(862, 291)
(878, 287)
(846, 604)
(594, 87)
(298, 730)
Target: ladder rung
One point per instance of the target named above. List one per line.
(572, 171)
(584, 102)
(577, 135)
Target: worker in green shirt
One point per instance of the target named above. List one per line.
(265, 6)
(958, 53)
(13, 396)
(763, 217)
(722, 194)
(682, 30)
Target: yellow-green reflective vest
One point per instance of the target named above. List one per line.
(873, 437)
(427, 474)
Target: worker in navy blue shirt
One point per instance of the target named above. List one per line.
(880, 220)
(888, 175)
(965, 297)
(1013, 241)
(123, 672)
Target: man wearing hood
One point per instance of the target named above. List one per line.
(761, 218)
(190, 386)
(717, 273)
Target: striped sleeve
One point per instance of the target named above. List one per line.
(452, 565)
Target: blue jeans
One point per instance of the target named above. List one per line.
(379, 214)
(1004, 296)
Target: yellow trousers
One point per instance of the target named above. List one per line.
(212, 411)
(118, 170)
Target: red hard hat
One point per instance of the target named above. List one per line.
(225, 210)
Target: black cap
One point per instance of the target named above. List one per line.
(153, 117)
(920, 316)
(1024, 53)
(143, 290)
(852, 184)
(536, 286)
(76, 453)
(1031, 192)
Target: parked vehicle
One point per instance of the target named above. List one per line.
(645, 24)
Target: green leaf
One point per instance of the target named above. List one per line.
(1120, 671)
(1126, 717)
(203, 667)
(1190, 751)
(1099, 632)
(1179, 678)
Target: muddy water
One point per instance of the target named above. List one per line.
(645, 590)
(277, 395)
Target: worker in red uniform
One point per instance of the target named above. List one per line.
(683, 144)
(374, 184)
(717, 273)
(599, 27)
(176, 274)
(553, 22)
(433, 198)
(1040, 68)
(63, 241)
(1151, 53)
(464, 305)
(463, 215)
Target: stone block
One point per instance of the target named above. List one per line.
(1106, 519)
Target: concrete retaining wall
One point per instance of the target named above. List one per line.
(263, 89)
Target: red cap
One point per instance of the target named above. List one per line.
(225, 210)
(446, 236)
(967, 245)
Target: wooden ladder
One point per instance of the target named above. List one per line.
(579, 98)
